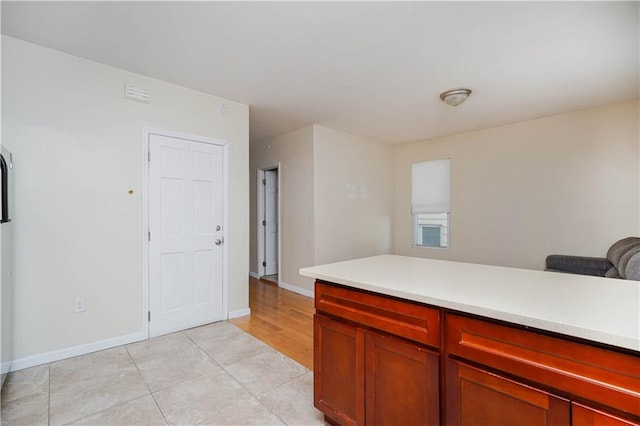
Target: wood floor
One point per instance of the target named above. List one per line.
(280, 318)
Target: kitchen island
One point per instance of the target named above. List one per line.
(401, 340)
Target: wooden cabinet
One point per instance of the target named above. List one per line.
(381, 360)
(475, 397)
(401, 382)
(363, 374)
(587, 373)
(338, 365)
(409, 320)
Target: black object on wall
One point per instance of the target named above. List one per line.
(4, 172)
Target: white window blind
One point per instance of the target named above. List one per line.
(430, 187)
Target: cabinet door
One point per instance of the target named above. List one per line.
(477, 397)
(401, 382)
(586, 416)
(338, 357)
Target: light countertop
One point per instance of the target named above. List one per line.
(603, 310)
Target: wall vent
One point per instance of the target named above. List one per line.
(137, 93)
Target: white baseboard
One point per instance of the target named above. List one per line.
(239, 313)
(47, 357)
(5, 367)
(293, 288)
(254, 275)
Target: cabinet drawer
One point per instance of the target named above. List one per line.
(477, 397)
(588, 372)
(586, 416)
(409, 320)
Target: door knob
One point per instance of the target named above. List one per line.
(219, 241)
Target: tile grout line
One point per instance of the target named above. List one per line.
(256, 397)
(268, 409)
(283, 384)
(275, 350)
(208, 356)
(123, 347)
(215, 362)
(145, 383)
(234, 377)
(148, 340)
(103, 410)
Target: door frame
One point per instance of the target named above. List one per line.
(260, 215)
(145, 210)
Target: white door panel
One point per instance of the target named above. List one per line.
(185, 220)
(271, 219)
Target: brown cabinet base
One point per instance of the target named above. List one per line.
(364, 377)
(376, 363)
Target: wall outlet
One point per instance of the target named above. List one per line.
(79, 305)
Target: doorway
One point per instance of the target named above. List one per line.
(186, 232)
(269, 223)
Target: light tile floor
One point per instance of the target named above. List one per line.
(215, 375)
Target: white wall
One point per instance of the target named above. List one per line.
(353, 192)
(76, 143)
(294, 151)
(336, 198)
(564, 184)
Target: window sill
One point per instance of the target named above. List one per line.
(430, 247)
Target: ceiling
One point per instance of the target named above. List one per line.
(374, 69)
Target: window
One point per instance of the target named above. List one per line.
(430, 203)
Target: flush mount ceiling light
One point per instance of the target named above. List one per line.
(455, 97)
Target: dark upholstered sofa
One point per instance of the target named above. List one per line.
(622, 261)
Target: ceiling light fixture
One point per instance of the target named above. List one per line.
(455, 97)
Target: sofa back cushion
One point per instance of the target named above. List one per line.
(625, 256)
(629, 264)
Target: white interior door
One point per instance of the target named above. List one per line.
(186, 236)
(271, 219)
